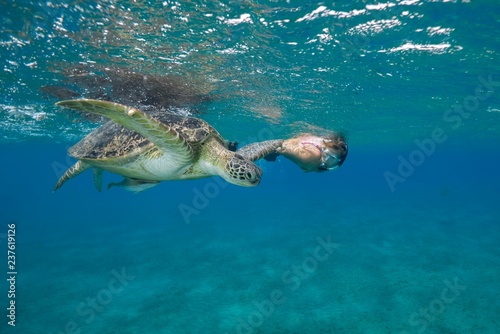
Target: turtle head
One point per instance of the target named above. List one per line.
(242, 172)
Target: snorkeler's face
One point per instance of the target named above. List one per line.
(333, 154)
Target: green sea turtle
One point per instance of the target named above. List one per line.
(153, 147)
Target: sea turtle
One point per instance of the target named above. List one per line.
(310, 152)
(153, 147)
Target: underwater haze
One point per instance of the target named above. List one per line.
(403, 238)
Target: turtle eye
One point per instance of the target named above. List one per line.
(249, 175)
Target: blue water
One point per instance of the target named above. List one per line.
(403, 238)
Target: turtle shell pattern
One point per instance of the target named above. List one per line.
(112, 140)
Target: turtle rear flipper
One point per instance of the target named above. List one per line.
(73, 171)
(163, 136)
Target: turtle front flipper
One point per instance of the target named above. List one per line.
(163, 136)
(261, 149)
(73, 171)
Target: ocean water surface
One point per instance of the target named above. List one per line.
(403, 238)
